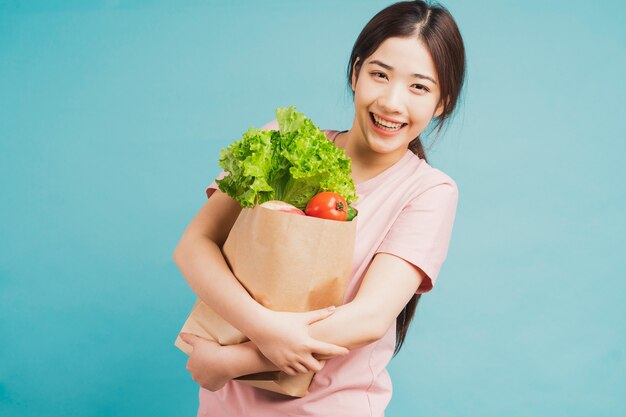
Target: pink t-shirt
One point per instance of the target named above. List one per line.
(407, 210)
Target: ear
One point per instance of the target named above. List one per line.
(354, 74)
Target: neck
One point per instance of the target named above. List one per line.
(366, 163)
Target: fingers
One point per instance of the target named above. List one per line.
(290, 371)
(189, 338)
(328, 349)
(313, 365)
(300, 368)
(304, 367)
(321, 314)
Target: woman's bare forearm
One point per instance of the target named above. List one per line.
(384, 291)
(353, 325)
(244, 359)
(203, 265)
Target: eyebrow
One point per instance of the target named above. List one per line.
(390, 68)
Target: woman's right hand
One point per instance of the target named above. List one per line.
(283, 338)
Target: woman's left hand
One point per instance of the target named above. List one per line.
(204, 364)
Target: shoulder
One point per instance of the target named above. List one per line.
(272, 125)
(425, 177)
(330, 133)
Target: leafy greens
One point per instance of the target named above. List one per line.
(291, 164)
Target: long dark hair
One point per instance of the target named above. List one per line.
(433, 25)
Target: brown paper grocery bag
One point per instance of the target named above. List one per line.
(286, 262)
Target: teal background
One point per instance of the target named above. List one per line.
(112, 114)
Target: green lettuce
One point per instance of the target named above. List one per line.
(291, 164)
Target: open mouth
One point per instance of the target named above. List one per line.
(385, 124)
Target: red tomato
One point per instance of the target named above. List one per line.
(327, 205)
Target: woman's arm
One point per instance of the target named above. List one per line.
(200, 260)
(212, 365)
(387, 287)
(385, 290)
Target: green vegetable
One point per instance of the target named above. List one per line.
(352, 212)
(292, 164)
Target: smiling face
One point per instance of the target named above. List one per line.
(396, 95)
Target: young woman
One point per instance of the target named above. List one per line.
(406, 71)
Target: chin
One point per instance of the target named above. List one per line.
(379, 146)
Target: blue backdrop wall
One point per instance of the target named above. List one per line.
(112, 115)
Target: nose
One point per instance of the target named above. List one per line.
(390, 100)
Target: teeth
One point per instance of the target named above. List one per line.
(386, 123)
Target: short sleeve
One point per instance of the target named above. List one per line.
(273, 125)
(421, 233)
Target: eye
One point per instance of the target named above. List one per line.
(421, 88)
(378, 74)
